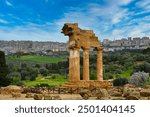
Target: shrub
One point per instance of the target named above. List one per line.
(3, 70)
(139, 78)
(20, 83)
(142, 67)
(93, 75)
(29, 74)
(43, 71)
(42, 85)
(14, 77)
(53, 76)
(108, 76)
(24, 74)
(37, 66)
(120, 81)
(33, 74)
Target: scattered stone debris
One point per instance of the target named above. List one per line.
(29, 95)
(145, 93)
(16, 95)
(127, 92)
(103, 94)
(38, 97)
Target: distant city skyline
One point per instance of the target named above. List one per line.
(42, 20)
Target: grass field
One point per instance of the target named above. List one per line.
(50, 80)
(127, 73)
(34, 58)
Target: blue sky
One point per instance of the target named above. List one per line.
(42, 20)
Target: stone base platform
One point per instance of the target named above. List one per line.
(88, 84)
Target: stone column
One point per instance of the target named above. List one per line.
(74, 64)
(99, 64)
(86, 64)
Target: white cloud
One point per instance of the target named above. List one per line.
(8, 3)
(108, 21)
(31, 32)
(143, 29)
(139, 30)
(117, 33)
(110, 12)
(97, 17)
(84, 20)
(143, 4)
(3, 21)
(122, 2)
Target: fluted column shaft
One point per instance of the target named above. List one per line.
(99, 65)
(86, 64)
(74, 65)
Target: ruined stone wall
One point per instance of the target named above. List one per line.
(82, 39)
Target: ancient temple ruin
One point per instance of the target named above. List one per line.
(82, 39)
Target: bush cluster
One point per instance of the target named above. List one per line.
(3, 70)
(139, 78)
(120, 81)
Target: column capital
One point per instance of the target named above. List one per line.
(74, 48)
(85, 48)
(99, 49)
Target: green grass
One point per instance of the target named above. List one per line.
(58, 80)
(148, 82)
(34, 58)
(126, 74)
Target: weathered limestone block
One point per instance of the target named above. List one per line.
(16, 95)
(85, 94)
(147, 87)
(71, 97)
(145, 93)
(48, 97)
(117, 98)
(11, 89)
(115, 91)
(128, 89)
(29, 95)
(135, 95)
(26, 89)
(103, 94)
(92, 83)
(57, 97)
(38, 97)
(86, 84)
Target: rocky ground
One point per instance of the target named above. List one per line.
(127, 92)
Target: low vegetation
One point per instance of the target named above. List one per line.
(35, 58)
(4, 81)
(34, 69)
(53, 80)
(139, 78)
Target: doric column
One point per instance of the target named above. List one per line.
(99, 64)
(74, 64)
(85, 63)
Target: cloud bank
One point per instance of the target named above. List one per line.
(113, 19)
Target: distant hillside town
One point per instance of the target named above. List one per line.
(129, 43)
(10, 47)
